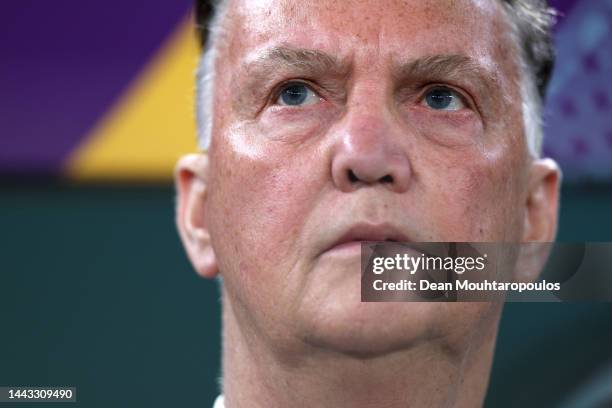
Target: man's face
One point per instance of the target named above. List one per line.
(345, 121)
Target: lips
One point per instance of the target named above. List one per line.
(359, 233)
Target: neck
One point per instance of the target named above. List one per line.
(430, 373)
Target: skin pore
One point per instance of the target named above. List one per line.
(366, 147)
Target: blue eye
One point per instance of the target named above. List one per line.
(297, 94)
(442, 98)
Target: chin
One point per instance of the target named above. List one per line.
(345, 325)
(332, 317)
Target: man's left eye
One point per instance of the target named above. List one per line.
(443, 98)
(297, 94)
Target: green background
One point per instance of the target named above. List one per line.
(96, 292)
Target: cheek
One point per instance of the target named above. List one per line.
(265, 180)
(466, 177)
(263, 200)
(473, 196)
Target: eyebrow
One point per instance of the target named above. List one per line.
(447, 67)
(304, 60)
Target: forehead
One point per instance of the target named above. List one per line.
(392, 29)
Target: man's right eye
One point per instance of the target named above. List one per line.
(297, 94)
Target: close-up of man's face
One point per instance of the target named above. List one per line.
(368, 192)
(337, 122)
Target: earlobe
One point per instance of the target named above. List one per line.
(191, 175)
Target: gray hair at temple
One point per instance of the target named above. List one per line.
(531, 20)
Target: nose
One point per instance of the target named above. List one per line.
(369, 152)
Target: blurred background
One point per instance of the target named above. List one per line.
(96, 105)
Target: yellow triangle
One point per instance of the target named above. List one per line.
(151, 126)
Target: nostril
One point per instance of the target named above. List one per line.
(352, 177)
(387, 179)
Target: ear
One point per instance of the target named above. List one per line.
(542, 201)
(191, 174)
(540, 222)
